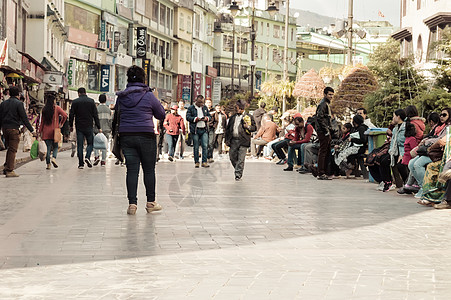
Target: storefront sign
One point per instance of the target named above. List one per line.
(93, 82)
(117, 40)
(102, 30)
(213, 72)
(197, 84)
(109, 18)
(216, 91)
(146, 67)
(71, 72)
(208, 87)
(53, 78)
(141, 43)
(4, 53)
(184, 88)
(105, 78)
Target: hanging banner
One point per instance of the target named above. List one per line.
(93, 79)
(4, 53)
(179, 87)
(146, 67)
(105, 78)
(141, 43)
(208, 88)
(186, 88)
(197, 84)
(216, 90)
(71, 72)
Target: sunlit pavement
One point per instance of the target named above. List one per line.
(65, 234)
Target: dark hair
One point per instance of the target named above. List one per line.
(299, 119)
(449, 114)
(364, 110)
(136, 74)
(199, 96)
(49, 109)
(358, 120)
(262, 104)
(411, 111)
(102, 98)
(434, 117)
(81, 91)
(410, 130)
(14, 91)
(348, 126)
(310, 120)
(400, 113)
(240, 104)
(328, 89)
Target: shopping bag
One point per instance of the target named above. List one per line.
(100, 141)
(42, 149)
(57, 137)
(34, 149)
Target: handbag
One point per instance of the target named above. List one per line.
(189, 140)
(117, 151)
(57, 130)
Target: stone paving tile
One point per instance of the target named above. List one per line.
(272, 236)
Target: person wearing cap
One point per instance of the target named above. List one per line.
(173, 123)
(302, 136)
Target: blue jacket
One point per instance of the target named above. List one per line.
(137, 107)
(191, 115)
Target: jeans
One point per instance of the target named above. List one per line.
(140, 151)
(277, 147)
(417, 166)
(51, 146)
(12, 139)
(267, 150)
(291, 153)
(172, 142)
(323, 153)
(83, 134)
(211, 142)
(201, 136)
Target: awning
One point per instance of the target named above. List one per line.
(439, 19)
(403, 34)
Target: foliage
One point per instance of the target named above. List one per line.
(352, 90)
(434, 100)
(310, 87)
(443, 70)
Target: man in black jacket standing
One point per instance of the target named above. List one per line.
(238, 137)
(84, 111)
(12, 115)
(323, 129)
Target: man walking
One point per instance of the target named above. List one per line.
(12, 115)
(84, 111)
(211, 130)
(198, 117)
(323, 129)
(238, 137)
(105, 119)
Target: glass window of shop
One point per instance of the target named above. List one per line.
(242, 45)
(82, 19)
(120, 78)
(81, 73)
(162, 15)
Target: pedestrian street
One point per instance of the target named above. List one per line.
(65, 234)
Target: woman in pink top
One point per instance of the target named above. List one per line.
(51, 114)
(410, 142)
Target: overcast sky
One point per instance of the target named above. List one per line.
(363, 9)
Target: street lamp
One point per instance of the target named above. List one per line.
(285, 52)
(234, 8)
(272, 9)
(218, 29)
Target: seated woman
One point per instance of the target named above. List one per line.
(302, 136)
(346, 159)
(338, 146)
(409, 144)
(417, 165)
(280, 145)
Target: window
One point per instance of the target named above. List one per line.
(153, 78)
(196, 25)
(161, 50)
(227, 44)
(276, 32)
(162, 15)
(168, 82)
(275, 55)
(148, 9)
(168, 51)
(181, 21)
(267, 29)
(261, 28)
(161, 81)
(241, 45)
(188, 54)
(154, 11)
(182, 52)
(404, 8)
(76, 17)
(153, 45)
(256, 26)
(418, 4)
(189, 27)
(283, 32)
(292, 34)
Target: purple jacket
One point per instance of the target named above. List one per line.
(137, 106)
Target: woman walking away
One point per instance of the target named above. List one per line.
(135, 108)
(51, 114)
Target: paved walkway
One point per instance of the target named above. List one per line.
(275, 235)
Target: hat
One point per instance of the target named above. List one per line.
(174, 107)
(297, 115)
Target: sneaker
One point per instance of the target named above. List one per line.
(196, 165)
(53, 161)
(442, 205)
(210, 160)
(387, 186)
(131, 210)
(153, 206)
(419, 194)
(88, 162)
(303, 170)
(412, 188)
(96, 161)
(237, 178)
(171, 158)
(117, 162)
(205, 165)
(289, 168)
(281, 162)
(48, 167)
(324, 177)
(81, 167)
(401, 191)
(102, 163)
(11, 174)
(381, 186)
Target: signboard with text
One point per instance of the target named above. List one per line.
(105, 78)
(197, 84)
(71, 72)
(141, 43)
(208, 88)
(146, 67)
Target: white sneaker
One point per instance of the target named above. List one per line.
(392, 187)
(380, 187)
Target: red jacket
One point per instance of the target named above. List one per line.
(308, 131)
(173, 124)
(47, 130)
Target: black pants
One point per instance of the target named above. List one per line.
(277, 147)
(400, 171)
(323, 153)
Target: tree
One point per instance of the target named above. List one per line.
(443, 70)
